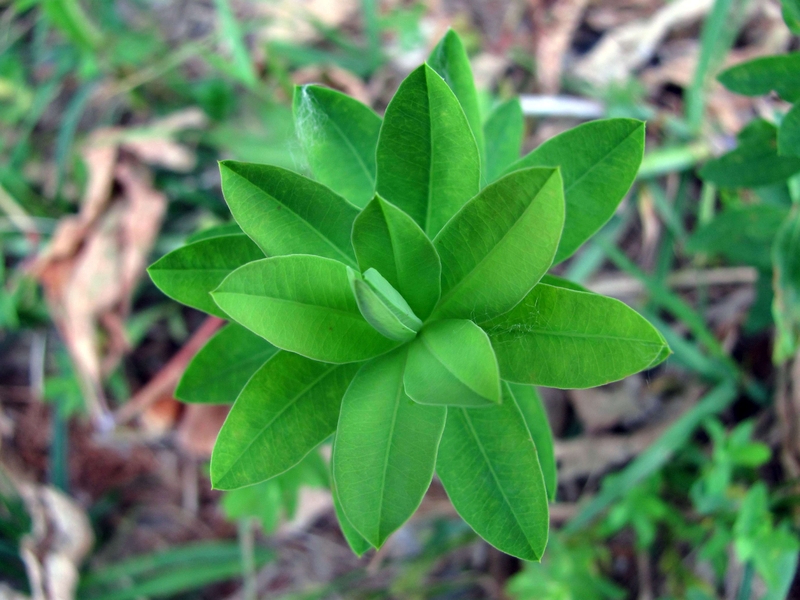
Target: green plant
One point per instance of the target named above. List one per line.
(401, 302)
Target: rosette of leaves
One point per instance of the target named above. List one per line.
(398, 301)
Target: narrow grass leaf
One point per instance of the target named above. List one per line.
(500, 244)
(286, 410)
(490, 470)
(598, 161)
(302, 304)
(452, 363)
(427, 159)
(189, 273)
(223, 366)
(385, 449)
(286, 213)
(339, 135)
(561, 338)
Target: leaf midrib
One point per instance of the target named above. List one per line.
(346, 313)
(601, 160)
(362, 164)
(388, 452)
(546, 332)
(448, 369)
(289, 404)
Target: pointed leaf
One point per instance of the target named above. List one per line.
(339, 136)
(503, 132)
(385, 449)
(500, 244)
(286, 410)
(354, 539)
(392, 299)
(534, 413)
(789, 133)
(215, 231)
(223, 366)
(286, 213)
(564, 283)
(449, 59)
(428, 163)
(452, 363)
(761, 76)
(302, 304)
(189, 273)
(598, 161)
(378, 312)
(489, 469)
(388, 240)
(755, 162)
(561, 338)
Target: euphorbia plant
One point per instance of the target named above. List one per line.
(399, 302)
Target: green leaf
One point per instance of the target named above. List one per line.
(449, 59)
(789, 133)
(215, 231)
(339, 136)
(791, 15)
(189, 273)
(385, 316)
(287, 409)
(223, 366)
(599, 162)
(786, 281)
(563, 283)
(286, 213)
(566, 339)
(755, 162)
(534, 413)
(354, 539)
(742, 234)
(302, 304)
(503, 132)
(385, 449)
(451, 362)
(489, 468)
(388, 240)
(763, 75)
(500, 244)
(428, 162)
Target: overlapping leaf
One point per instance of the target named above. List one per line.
(500, 244)
(189, 273)
(763, 75)
(302, 304)
(223, 366)
(286, 410)
(789, 133)
(428, 162)
(561, 338)
(598, 161)
(503, 133)
(339, 136)
(385, 449)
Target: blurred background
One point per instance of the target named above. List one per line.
(682, 482)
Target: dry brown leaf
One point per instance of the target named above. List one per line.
(199, 427)
(605, 407)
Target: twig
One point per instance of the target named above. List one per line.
(166, 379)
(561, 106)
(625, 285)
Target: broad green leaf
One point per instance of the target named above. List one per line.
(563, 283)
(755, 162)
(599, 162)
(286, 410)
(302, 304)
(354, 539)
(339, 136)
(534, 413)
(385, 316)
(428, 162)
(220, 370)
(452, 363)
(385, 449)
(490, 470)
(189, 273)
(562, 338)
(215, 231)
(286, 213)
(500, 244)
(789, 133)
(791, 15)
(449, 59)
(763, 75)
(741, 234)
(388, 240)
(786, 281)
(503, 132)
